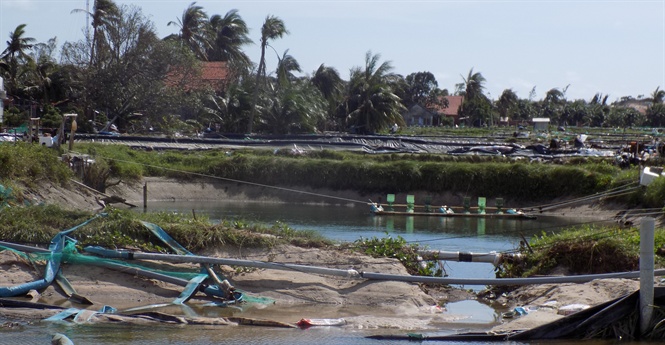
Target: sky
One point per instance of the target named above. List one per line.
(615, 48)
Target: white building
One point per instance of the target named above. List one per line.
(540, 123)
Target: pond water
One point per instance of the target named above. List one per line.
(339, 223)
(347, 224)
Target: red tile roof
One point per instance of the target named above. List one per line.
(454, 103)
(214, 71)
(213, 74)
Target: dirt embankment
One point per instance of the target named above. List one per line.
(165, 189)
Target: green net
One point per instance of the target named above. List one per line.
(5, 196)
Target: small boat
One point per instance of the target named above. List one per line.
(463, 215)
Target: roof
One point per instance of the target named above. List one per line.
(214, 71)
(454, 103)
(213, 74)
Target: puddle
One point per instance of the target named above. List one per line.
(474, 312)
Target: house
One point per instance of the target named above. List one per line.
(418, 115)
(540, 123)
(454, 104)
(213, 75)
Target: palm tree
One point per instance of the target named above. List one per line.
(194, 30)
(286, 65)
(272, 28)
(476, 107)
(507, 102)
(371, 103)
(473, 85)
(554, 96)
(230, 34)
(658, 96)
(328, 81)
(15, 55)
(103, 14)
(329, 84)
(295, 107)
(229, 109)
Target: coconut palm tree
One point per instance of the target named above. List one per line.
(658, 96)
(194, 30)
(476, 107)
(272, 28)
(330, 84)
(229, 109)
(230, 35)
(286, 65)
(294, 107)
(371, 104)
(473, 85)
(104, 13)
(15, 56)
(328, 81)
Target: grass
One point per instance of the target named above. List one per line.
(582, 250)
(29, 164)
(123, 229)
(397, 248)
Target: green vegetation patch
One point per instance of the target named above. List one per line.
(123, 229)
(30, 163)
(397, 248)
(581, 250)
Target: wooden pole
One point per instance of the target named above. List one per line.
(145, 196)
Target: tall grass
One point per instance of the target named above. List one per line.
(123, 229)
(582, 250)
(30, 163)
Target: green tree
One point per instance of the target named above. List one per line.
(272, 28)
(507, 103)
(286, 65)
(624, 117)
(15, 58)
(553, 104)
(370, 103)
(657, 96)
(230, 109)
(130, 73)
(474, 84)
(330, 84)
(105, 13)
(294, 107)
(423, 89)
(476, 107)
(598, 110)
(524, 110)
(194, 30)
(231, 34)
